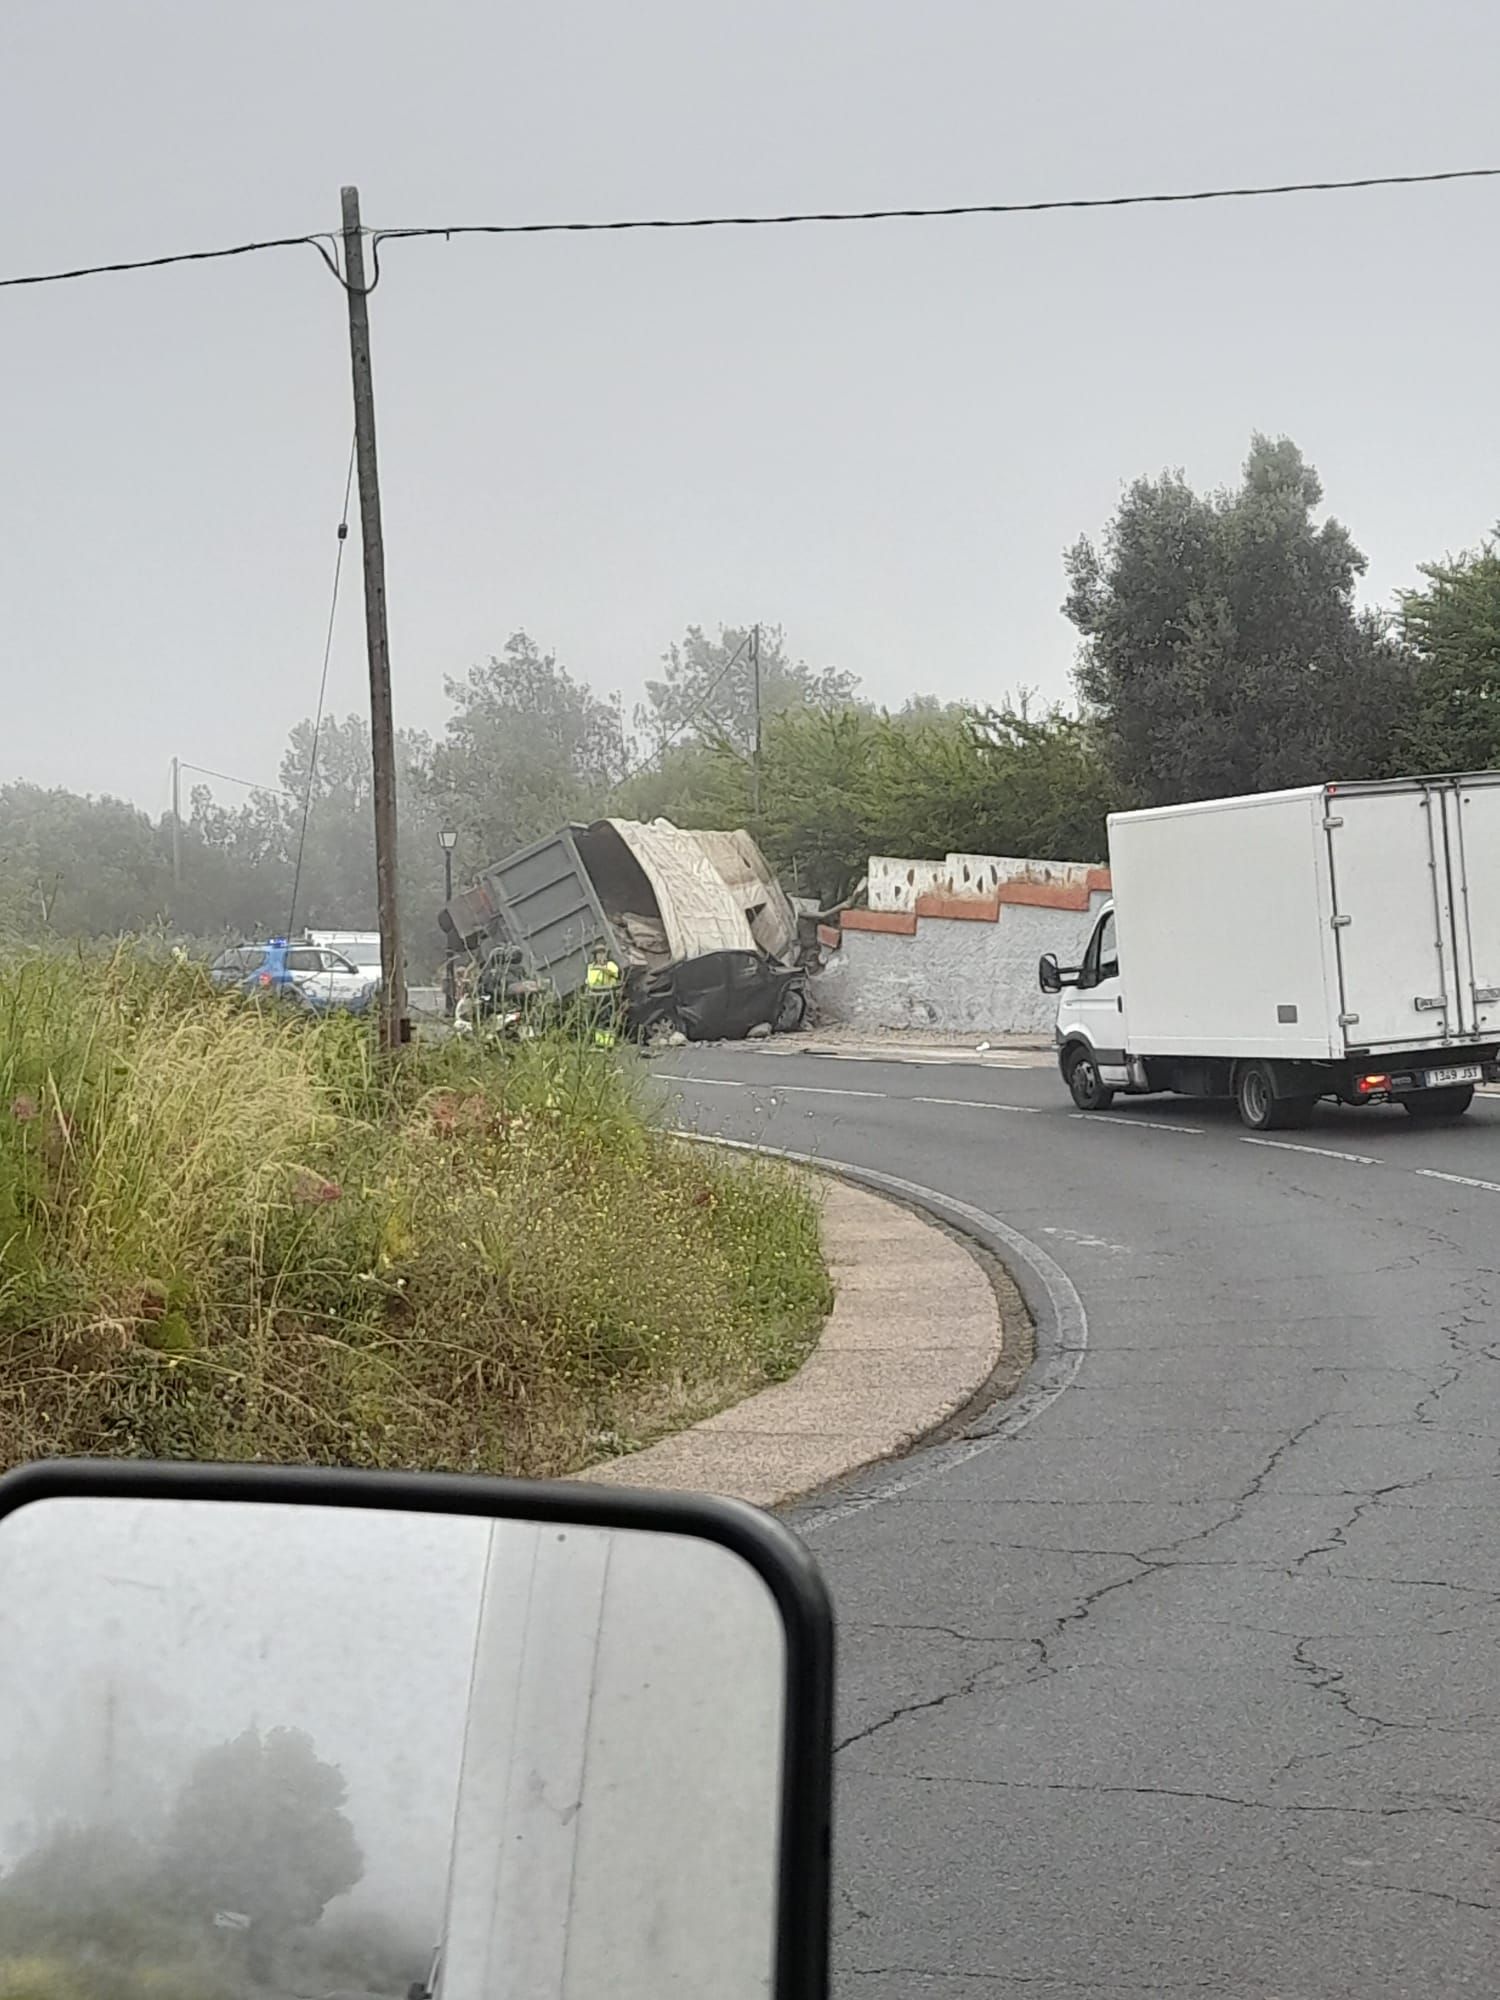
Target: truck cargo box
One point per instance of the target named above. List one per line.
(1312, 924)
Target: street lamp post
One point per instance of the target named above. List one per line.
(448, 840)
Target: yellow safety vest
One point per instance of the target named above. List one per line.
(607, 974)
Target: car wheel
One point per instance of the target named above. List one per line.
(1259, 1106)
(1431, 1107)
(792, 1011)
(1090, 1092)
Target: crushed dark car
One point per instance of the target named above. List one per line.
(720, 996)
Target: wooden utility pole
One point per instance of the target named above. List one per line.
(755, 682)
(394, 1025)
(176, 833)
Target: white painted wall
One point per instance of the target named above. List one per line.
(954, 976)
(895, 884)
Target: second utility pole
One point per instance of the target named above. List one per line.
(755, 689)
(394, 1025)
(176, 834)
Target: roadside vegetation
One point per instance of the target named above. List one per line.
(226, 1233)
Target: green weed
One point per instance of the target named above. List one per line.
(230, 1232)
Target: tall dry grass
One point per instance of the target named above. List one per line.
(231, 1233)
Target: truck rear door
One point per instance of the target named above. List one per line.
(1400, 967)
(1472, 820)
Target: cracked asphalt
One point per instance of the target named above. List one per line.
(1181, 1675)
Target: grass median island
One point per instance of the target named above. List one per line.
(228, 1232)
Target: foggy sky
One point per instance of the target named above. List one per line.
(881, 436)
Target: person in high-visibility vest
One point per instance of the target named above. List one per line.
(602, 982)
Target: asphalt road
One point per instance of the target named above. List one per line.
(1181, 1675)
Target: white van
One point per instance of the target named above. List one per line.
(1334, 941)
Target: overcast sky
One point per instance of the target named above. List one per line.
(880, 436)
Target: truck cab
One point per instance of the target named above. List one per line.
(1090, 1032)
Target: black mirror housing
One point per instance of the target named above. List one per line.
(1049, 973)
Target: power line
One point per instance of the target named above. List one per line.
(317, 241)
(312, 761)
(930, 214)
(321, 238)
(693, 713)
(224, 778)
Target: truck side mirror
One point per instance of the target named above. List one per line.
(585, 1732)
(1049, 973)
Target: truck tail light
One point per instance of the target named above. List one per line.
(1370, 1084)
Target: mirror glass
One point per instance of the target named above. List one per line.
(1049, 977)
(299, 1751)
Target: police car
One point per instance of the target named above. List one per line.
(310, 975)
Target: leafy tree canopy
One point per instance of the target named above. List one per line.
(1453, 627)
(1222, 651)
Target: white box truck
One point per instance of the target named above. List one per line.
(1335, 941)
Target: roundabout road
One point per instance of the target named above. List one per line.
(1190, 1682)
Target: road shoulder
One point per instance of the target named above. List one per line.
(916, 1332)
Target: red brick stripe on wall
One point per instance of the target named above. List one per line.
(1045, 895)
(964, 909)
(938, 904)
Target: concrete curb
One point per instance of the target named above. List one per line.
(915, 1333)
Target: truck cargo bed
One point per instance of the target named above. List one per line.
(1312, 924)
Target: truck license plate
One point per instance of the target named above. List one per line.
(1435, 1079)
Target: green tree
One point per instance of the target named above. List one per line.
(707, 689)
(259, 1828)
(820, 797)
(840, 784)
(72, 866)
(1222, 651)
(526, 749)
(236, 867)
(1453, 627)
(85, 1890)
(994, 781)
(336, 889)
(692, 784)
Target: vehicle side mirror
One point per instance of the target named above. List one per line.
(1051, 977)
(575, 1738)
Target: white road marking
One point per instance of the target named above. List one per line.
(775, 1090)
(1136, 1124)
(978, 1104)
(991, 1059)
(1322, 1152)
(820, 1090)
(1088, 1242)
(1459, 1180)
(833, 1090)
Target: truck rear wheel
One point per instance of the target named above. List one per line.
(1429, 1106)
(1082, 1074)
(1259, 1106)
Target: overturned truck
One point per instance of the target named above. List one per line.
(705, 939)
